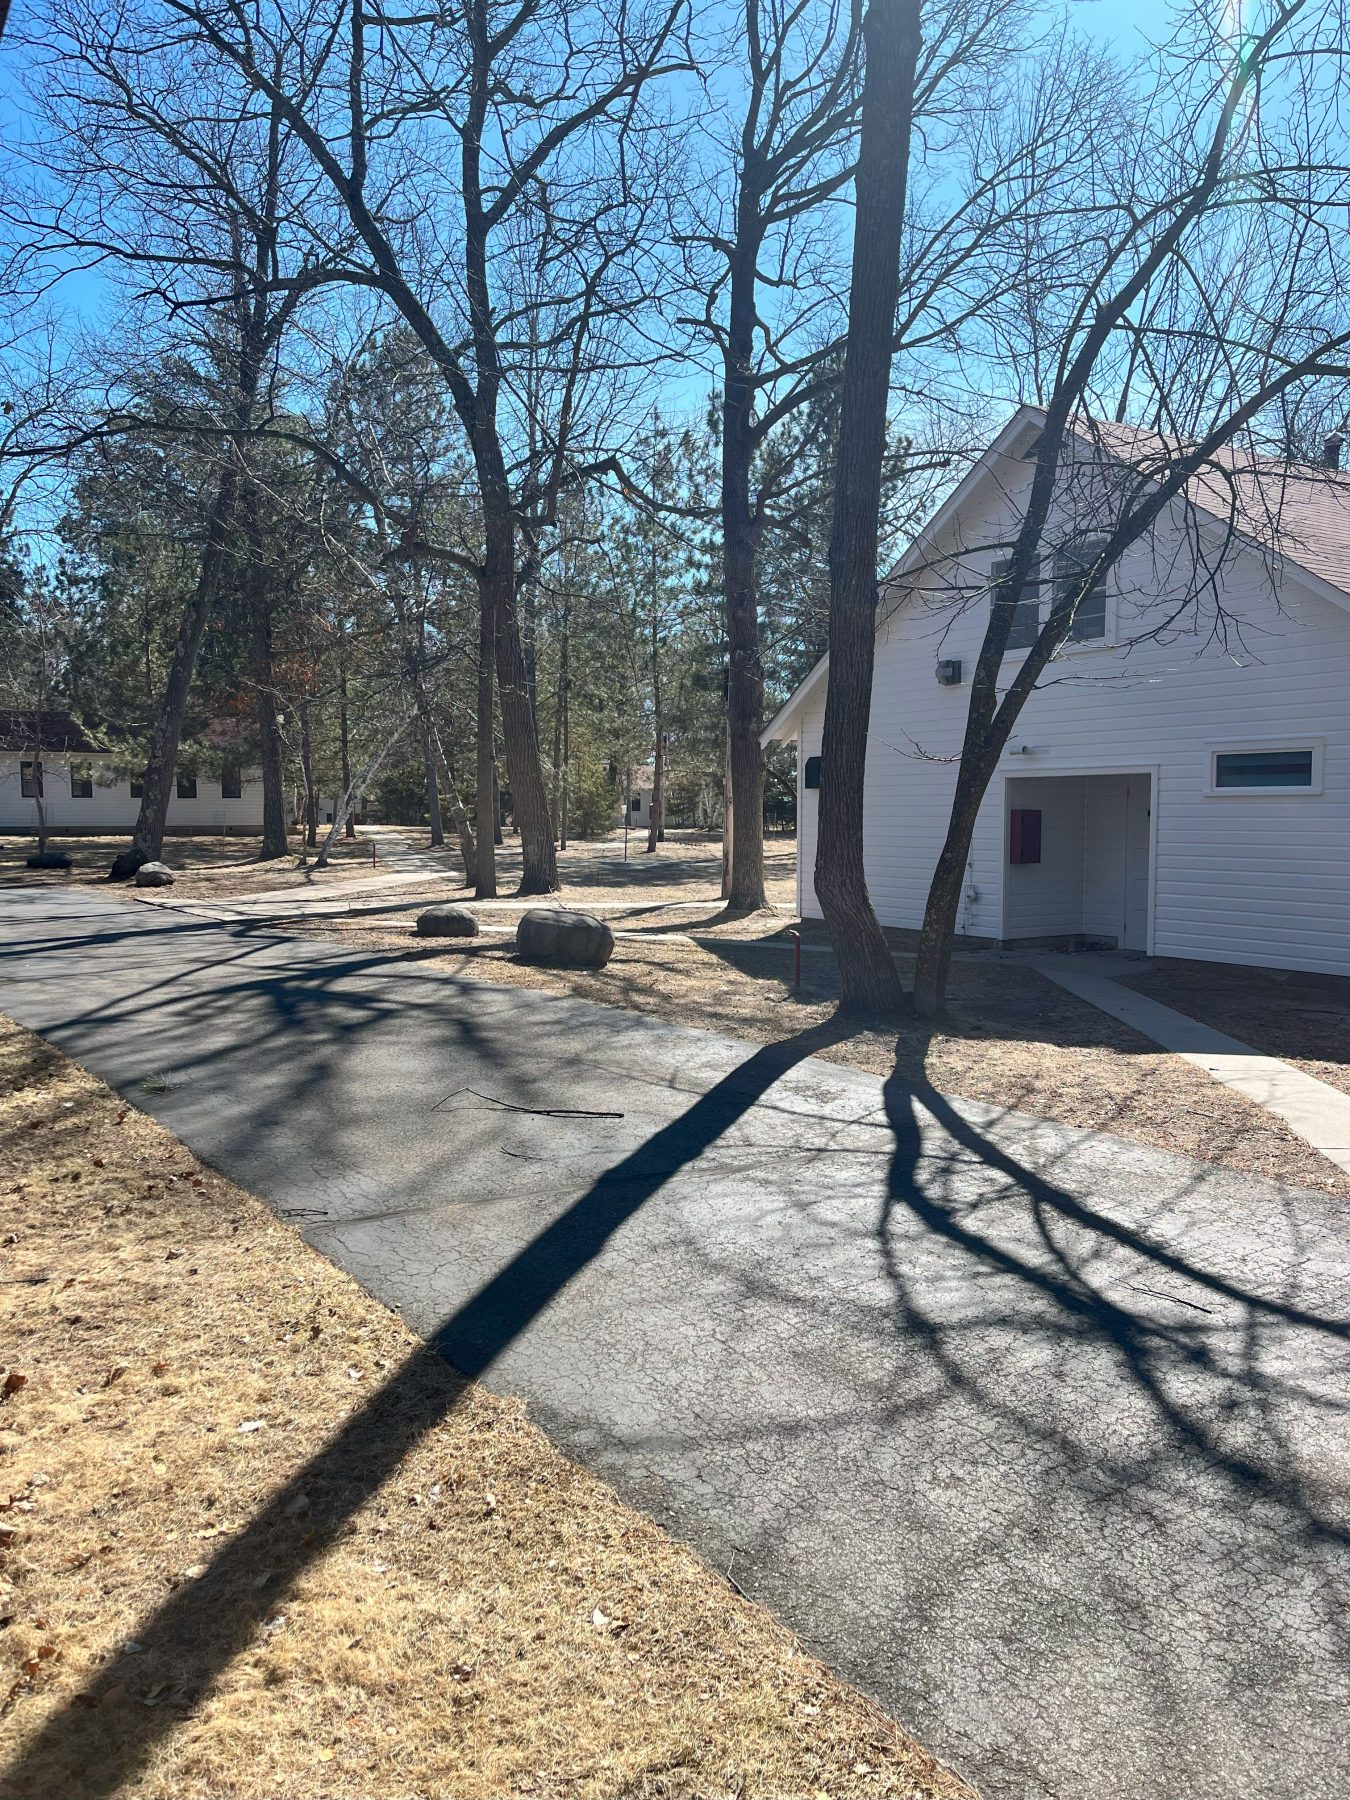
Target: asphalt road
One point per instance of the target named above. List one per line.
(1040, 1437)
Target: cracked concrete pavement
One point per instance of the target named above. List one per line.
(1040, 1437)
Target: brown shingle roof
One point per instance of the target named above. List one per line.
(1294, 510)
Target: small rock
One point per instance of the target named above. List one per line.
(551, 934)
(154, 874)
(447, 921)
(48, 859)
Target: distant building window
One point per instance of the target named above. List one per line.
(1071, 566)
(1026, 620)
(187, 787)
(137, 787)
(81, 781)
(637, 802)
(30, 780)
(231, 784)
(1271, 768)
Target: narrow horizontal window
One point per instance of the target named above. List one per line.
(1263, 769)
(81, 781)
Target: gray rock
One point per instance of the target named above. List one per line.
(48, 859)
(577, 940)
(447, 921)
(154, 874)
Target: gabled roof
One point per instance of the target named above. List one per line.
(1297, 511)
(1294, 511)
(23, 728)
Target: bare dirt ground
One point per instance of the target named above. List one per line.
(685, 867)
(1011, 1037)
(1303, 1018)
(208, 867)
(255, 1540)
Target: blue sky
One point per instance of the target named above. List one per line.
(1122, 23)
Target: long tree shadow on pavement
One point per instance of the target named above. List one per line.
(1213, 1354)
(210, 1620)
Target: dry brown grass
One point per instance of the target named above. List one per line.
(686, 868)
(207, 866)
(1303, 1018)
(440, 1605)
(1011, 1037)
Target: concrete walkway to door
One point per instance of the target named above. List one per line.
(1318, 1112)
(1040, 1436)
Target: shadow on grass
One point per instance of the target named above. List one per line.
(207, 1622)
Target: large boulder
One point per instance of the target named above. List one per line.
(154, 874)
(48, 859)
(568, 940)
(447, 921)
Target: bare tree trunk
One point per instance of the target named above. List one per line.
(429, 769)
(468, 849)
(274, 839)
(529, 803)
(498, 812)
(891, 35)
(147, 839)
(344, 743)
(485, 773)
(655, 831)
(360, 785)
(566, 761)
(743, 888)
(728, 812)
(944, 898)
(560, 703)
(307, 771)
(659, 754)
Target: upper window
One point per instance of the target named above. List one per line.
(1277, 766)
(30, 780)
(1071, 567)
(187, 787)
(1026, 620)
(231, 784)
(81, 781)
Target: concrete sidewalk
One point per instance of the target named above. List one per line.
(1318, 1112)
(1041, 1437)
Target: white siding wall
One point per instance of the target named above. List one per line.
(111, 808)
(1260, 879)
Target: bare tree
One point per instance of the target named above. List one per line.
(1199, 292)
(770, 312)
(892, 37)
(557, 178)
(175, 175)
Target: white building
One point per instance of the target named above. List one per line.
(81, 792)
(638, 802)
(1179, 783)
